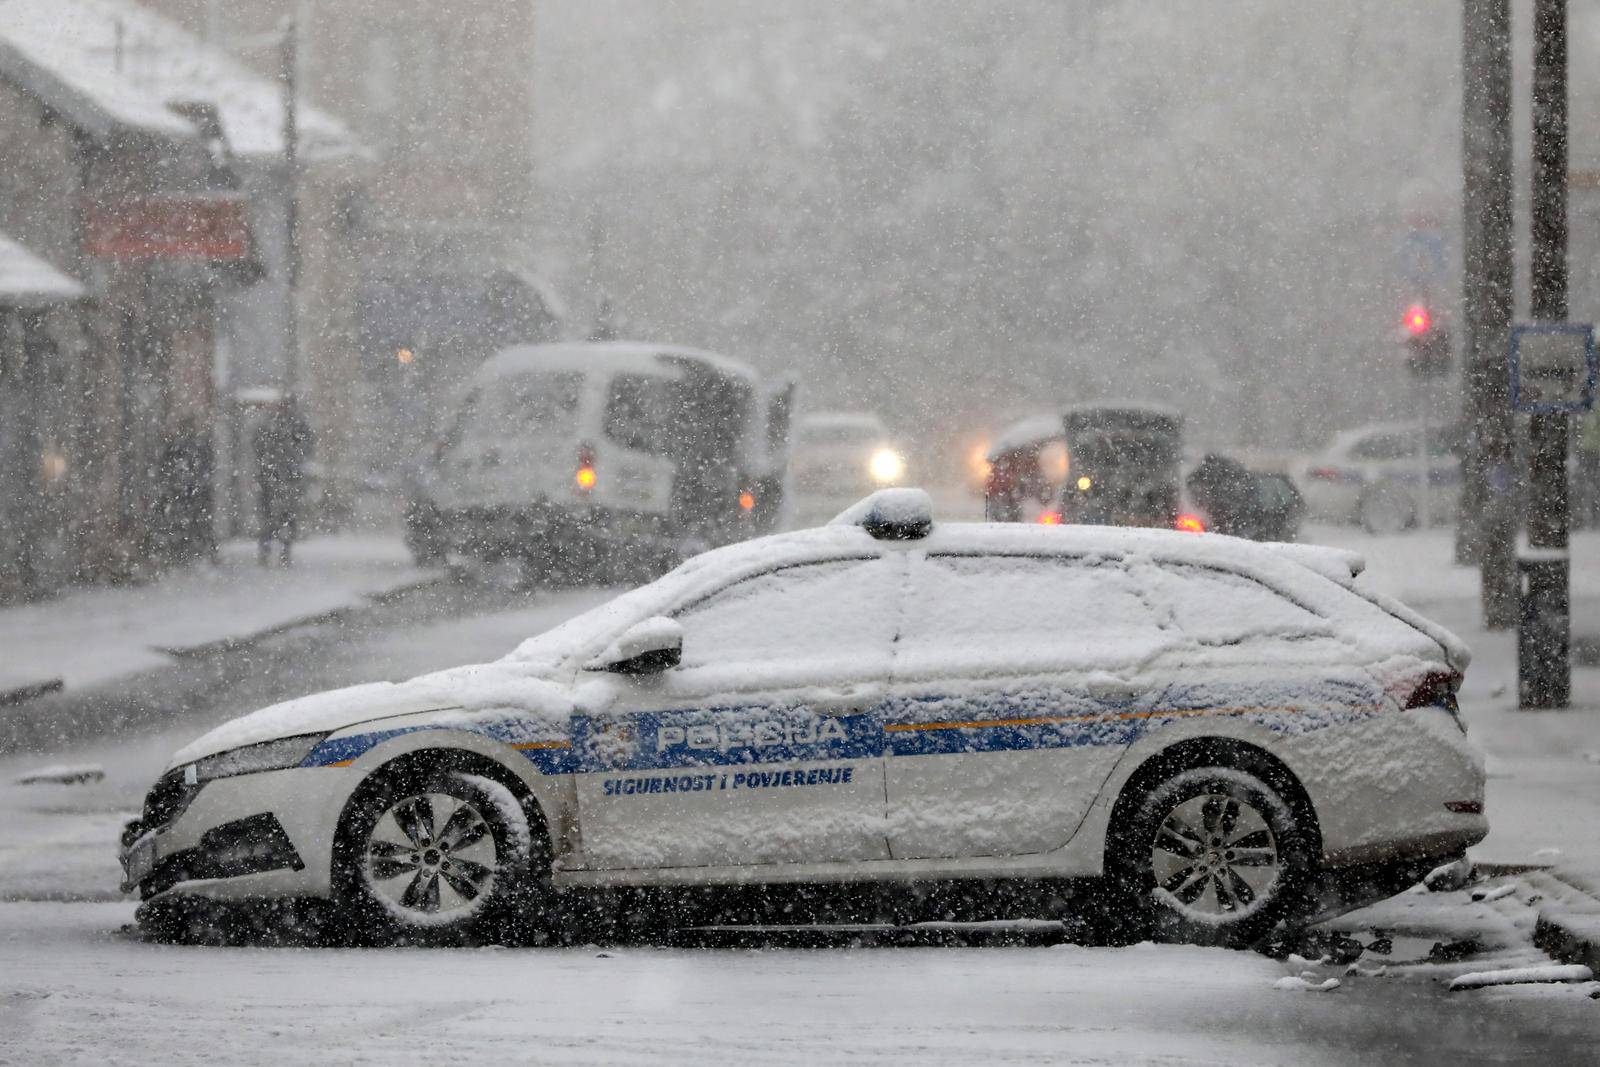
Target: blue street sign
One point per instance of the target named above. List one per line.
(1554, 367)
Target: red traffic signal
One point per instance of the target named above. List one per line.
(1417, 320)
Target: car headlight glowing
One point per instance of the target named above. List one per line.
(886, 466)
(275, 755)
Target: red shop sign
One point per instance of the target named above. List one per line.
(168, 228)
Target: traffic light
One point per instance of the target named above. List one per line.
(1427, 342)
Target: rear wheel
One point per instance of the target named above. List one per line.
(1215, 856)
(437, 857)
(1387, 508)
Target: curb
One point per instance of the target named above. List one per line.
(231, 644)
(1567, 926)
(23, 693)
(33, 690)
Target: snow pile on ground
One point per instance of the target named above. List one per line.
(1555, 972)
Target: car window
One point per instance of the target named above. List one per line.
(1005, 614)
(642, 412)
(812, 621)
(1216, 607)
(1385, 446)
(543, 405)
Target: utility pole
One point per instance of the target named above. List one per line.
(1490, 505)
(1544, 669)
(290, 73)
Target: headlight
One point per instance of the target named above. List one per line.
(276, 755)
(886, 466)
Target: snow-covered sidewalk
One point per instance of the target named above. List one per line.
(93, 636)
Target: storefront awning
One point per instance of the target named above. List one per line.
(27, 281)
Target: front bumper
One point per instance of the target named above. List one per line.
(268, 834)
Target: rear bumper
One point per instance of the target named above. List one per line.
(513, 531)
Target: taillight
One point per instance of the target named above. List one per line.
(1436, 690)
(1333, 474)
(1189, 523)
(1049, 518)
(747, 501)
(585, 476)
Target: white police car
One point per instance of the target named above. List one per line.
(1227, 730)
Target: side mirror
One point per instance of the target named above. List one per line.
(647, 647)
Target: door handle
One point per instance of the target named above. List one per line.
(838, 706)
(1112, 688)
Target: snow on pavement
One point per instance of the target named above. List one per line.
(74, 984)
(92, 636)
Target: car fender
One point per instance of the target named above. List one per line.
(1167, 734)
(554, 793)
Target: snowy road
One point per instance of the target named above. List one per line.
(74, 987)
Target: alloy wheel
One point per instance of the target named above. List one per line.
(431, 854)
(1216, 857)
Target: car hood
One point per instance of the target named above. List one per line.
(317, 713)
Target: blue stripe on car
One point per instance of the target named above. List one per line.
(921, 726)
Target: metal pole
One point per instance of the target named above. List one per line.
(1422, 397)
(291, 204)
(1543, 634)
(1490, 504)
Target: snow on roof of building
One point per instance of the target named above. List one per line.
(26, 280)
(112, 63)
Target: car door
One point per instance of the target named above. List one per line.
(1018, 682)
(764, 745)
(1248, 650)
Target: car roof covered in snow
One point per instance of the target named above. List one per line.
(610, 356)
(1321, 578)
(842, 420)
(1033, 430)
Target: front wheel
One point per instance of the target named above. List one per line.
(1215, 856)
(432, 858)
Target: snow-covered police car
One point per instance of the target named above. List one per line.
(1228, 732)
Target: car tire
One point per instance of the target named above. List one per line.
(1214, 856)
(435, 857)
(1386, 508)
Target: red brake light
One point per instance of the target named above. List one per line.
(585, 475)
(1189, 523)
(1049, 518)
(1417, 320)
(1436, 690)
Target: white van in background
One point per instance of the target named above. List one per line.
(602, 460)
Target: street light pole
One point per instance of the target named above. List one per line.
(1544, 630)
(1490, 507)
(290, 73)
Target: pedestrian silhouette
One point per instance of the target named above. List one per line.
(283, 445)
